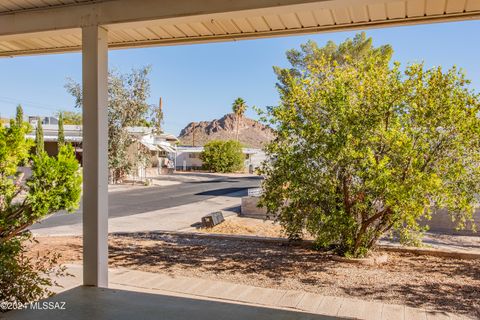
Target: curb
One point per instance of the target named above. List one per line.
(431, 252)
(300, 243)
(218, 236)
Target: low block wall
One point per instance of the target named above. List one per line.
(441, 222)
(249, 208)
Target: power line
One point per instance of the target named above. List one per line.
(29, 103)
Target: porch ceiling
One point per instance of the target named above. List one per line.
(24, 28)
(18, 5)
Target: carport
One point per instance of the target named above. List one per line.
(34, 27)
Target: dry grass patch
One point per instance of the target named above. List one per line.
(246, 226)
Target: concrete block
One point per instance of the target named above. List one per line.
(250, 209)
(291, 299)
(415, 314)
(393, 312)
(330, 306)
(310, 302)
(351, 308)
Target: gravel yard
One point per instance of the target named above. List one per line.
(433, 283)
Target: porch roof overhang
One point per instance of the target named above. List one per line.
(150, 146)
(54, 26)
(165, 148)
(54, 138)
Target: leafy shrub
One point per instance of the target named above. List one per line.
(127, 107)
(24, 279)
(222, 156)
(364, 148)
(55, 185)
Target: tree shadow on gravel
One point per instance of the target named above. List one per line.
(419, 281)
(274, 261)
(454, 298)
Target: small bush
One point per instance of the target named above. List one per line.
(25, 279)
(222, 156)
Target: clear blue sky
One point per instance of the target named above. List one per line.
(199, 82)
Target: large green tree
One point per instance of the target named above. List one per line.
(55, 184)
(364, 148)
(127, 106)
(222, 156)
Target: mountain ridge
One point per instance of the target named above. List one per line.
(251, 133)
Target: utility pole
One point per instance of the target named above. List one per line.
(159, 116)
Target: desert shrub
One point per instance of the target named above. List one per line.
(364, 148)
(222, 156)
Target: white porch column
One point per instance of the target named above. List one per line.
(95, 158)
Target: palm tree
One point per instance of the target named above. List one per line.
(239, 107)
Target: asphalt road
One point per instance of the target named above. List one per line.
(131, 202)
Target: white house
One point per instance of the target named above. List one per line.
(188, 158)
(160, 147)
(73, 135)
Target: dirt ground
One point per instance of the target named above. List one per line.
(433, 283)
(245, 226)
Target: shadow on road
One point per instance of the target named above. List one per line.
(235, 209)
(226, 192)
(213, 181)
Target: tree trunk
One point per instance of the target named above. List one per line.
(379, 230)
(236, 117)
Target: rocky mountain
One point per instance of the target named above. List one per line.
(251, 133)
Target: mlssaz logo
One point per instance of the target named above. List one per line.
(48, 305)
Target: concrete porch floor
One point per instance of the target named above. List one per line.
(165, 297)
(99, 303)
